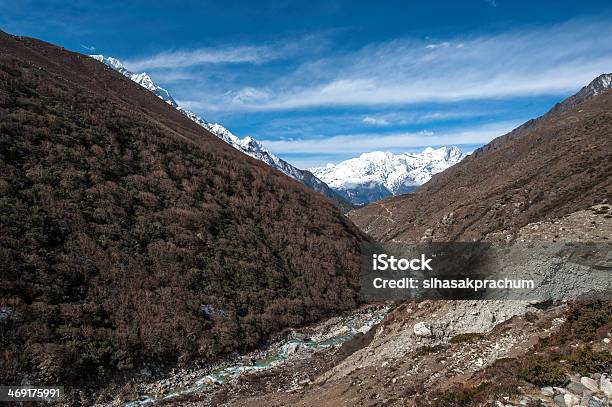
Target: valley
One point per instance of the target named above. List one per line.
(150, 257)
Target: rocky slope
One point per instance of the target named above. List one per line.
(436, 353)
(548, 167)
(377, 175)
(451, 353)
(247, 145)
(129, 234)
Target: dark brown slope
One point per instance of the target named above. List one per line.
(130, 234)
(549, 167)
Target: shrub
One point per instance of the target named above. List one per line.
(587, 361)
(541, 372)
(427, 350)
(467, 337)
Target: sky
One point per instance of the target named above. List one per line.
(324, 81)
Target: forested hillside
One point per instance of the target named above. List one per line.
(130, 234)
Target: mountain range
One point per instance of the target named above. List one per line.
(549, 167)
(370, 177)
(247, 145)
(377, 175)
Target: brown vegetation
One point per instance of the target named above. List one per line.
(129, 234)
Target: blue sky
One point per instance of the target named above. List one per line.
(322, 81)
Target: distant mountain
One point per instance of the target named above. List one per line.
(377, 175)
(247, 145)
(549, 167)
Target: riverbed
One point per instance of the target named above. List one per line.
(298, 344)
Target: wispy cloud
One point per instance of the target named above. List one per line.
(88, 47)
(229, 54)
(375, 121)
(185, 58)
(440, 45)
(364, 142)
(404, 71)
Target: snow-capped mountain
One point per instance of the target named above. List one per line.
(247, 145)
(598, 85)
(376, 175)
(142, 79)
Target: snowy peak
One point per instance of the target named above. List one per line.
(247, 145)
(110, 61)
(598, 85)
(375, 175)
(142, 79)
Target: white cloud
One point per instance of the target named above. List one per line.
(248, 95)
(552, 60)
(186, 58)
(365, 142)
(230, 54)
(375, 121)
(440, 45)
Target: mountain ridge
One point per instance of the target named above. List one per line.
(247, 145)
(376, 175)
(550, 166)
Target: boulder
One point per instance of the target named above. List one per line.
(547, 391)
(605, 385)
(576, 388)
(560, 400)
(595, 402)
(292, 347)
(589, 383)
(420, 329)
(571, 400)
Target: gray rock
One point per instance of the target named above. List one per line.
(584, 401)
(292, 347)
(559, 400)
(548, 391)
(7, 313)
(576, 388)
(605, 385)
(420, 329)
(589, 383)
(595, 402)
(571, 400)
